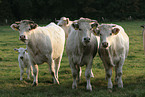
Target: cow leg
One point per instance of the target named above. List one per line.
(74, 73)
(52, 70)
(92, 75)
(119, 72)
(31, 68)
(79, 73)
(109, 74)
(88, 75)
(35, 74)
(28, 72)
(57, 66)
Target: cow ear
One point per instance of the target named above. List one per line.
(115, 31)
(15, 27)
(33, 25)
(94, 25)
(142, 26)
(76, 26)
(15, 49)
(67, 20)
(96, 32)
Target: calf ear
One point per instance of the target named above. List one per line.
(15, 27)
(26, 49)
(33, 25)
(15, 49)
(76, 26)
(115, 31)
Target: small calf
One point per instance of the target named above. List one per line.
(24, 62)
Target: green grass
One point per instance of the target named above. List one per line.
(133, 71)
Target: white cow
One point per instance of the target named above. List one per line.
(44, 44)
(65, 24)
(81, 48)
(24, 62)
(113, 49)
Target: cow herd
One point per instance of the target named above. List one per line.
(84, 39)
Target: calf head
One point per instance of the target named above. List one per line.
(106, 33)
(21, 52)
(84, 28)
(24, 27)
(63, 21)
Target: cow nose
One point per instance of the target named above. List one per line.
(105, 44)
(22, 37)
(87, 39)
(21, 57)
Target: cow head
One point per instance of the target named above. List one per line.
(21, 52)
(84, 28)
(24, 27)
(106, 33)
(63, 21)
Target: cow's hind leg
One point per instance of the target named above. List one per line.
(52, 70)
(57, 65)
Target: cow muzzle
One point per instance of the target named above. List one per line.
(105, 44)
(86, 39)
(23, 38)
(21, 57)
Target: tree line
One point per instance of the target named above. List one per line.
(45, 11)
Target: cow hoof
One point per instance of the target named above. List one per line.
(74, 86)
(110, 90)
(35, 84)
(89, 88)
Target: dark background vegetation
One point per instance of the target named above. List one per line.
(44, 11)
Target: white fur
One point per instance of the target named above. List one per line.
(115, 53)
(81, 53)
(24, 63)
(44, 44)
(64, 25)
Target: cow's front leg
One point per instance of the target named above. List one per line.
(28, 72)
(108, 75)
(35, 74)
(119, 72)
(88, 76)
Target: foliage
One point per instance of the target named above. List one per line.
(14, 10)
(133, 71)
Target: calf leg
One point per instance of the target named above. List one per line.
(79, 71)
(21, 73)
(28, 72)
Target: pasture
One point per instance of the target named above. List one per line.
(133, 71)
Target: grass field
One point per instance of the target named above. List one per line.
(133, 71)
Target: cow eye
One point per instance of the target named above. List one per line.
(110, 33)
(100, 34)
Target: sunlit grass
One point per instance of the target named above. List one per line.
(133, 71)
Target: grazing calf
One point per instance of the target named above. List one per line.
(24, 62)
(113, 49)
(81, 48)
(65, 24)
(44, 44)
